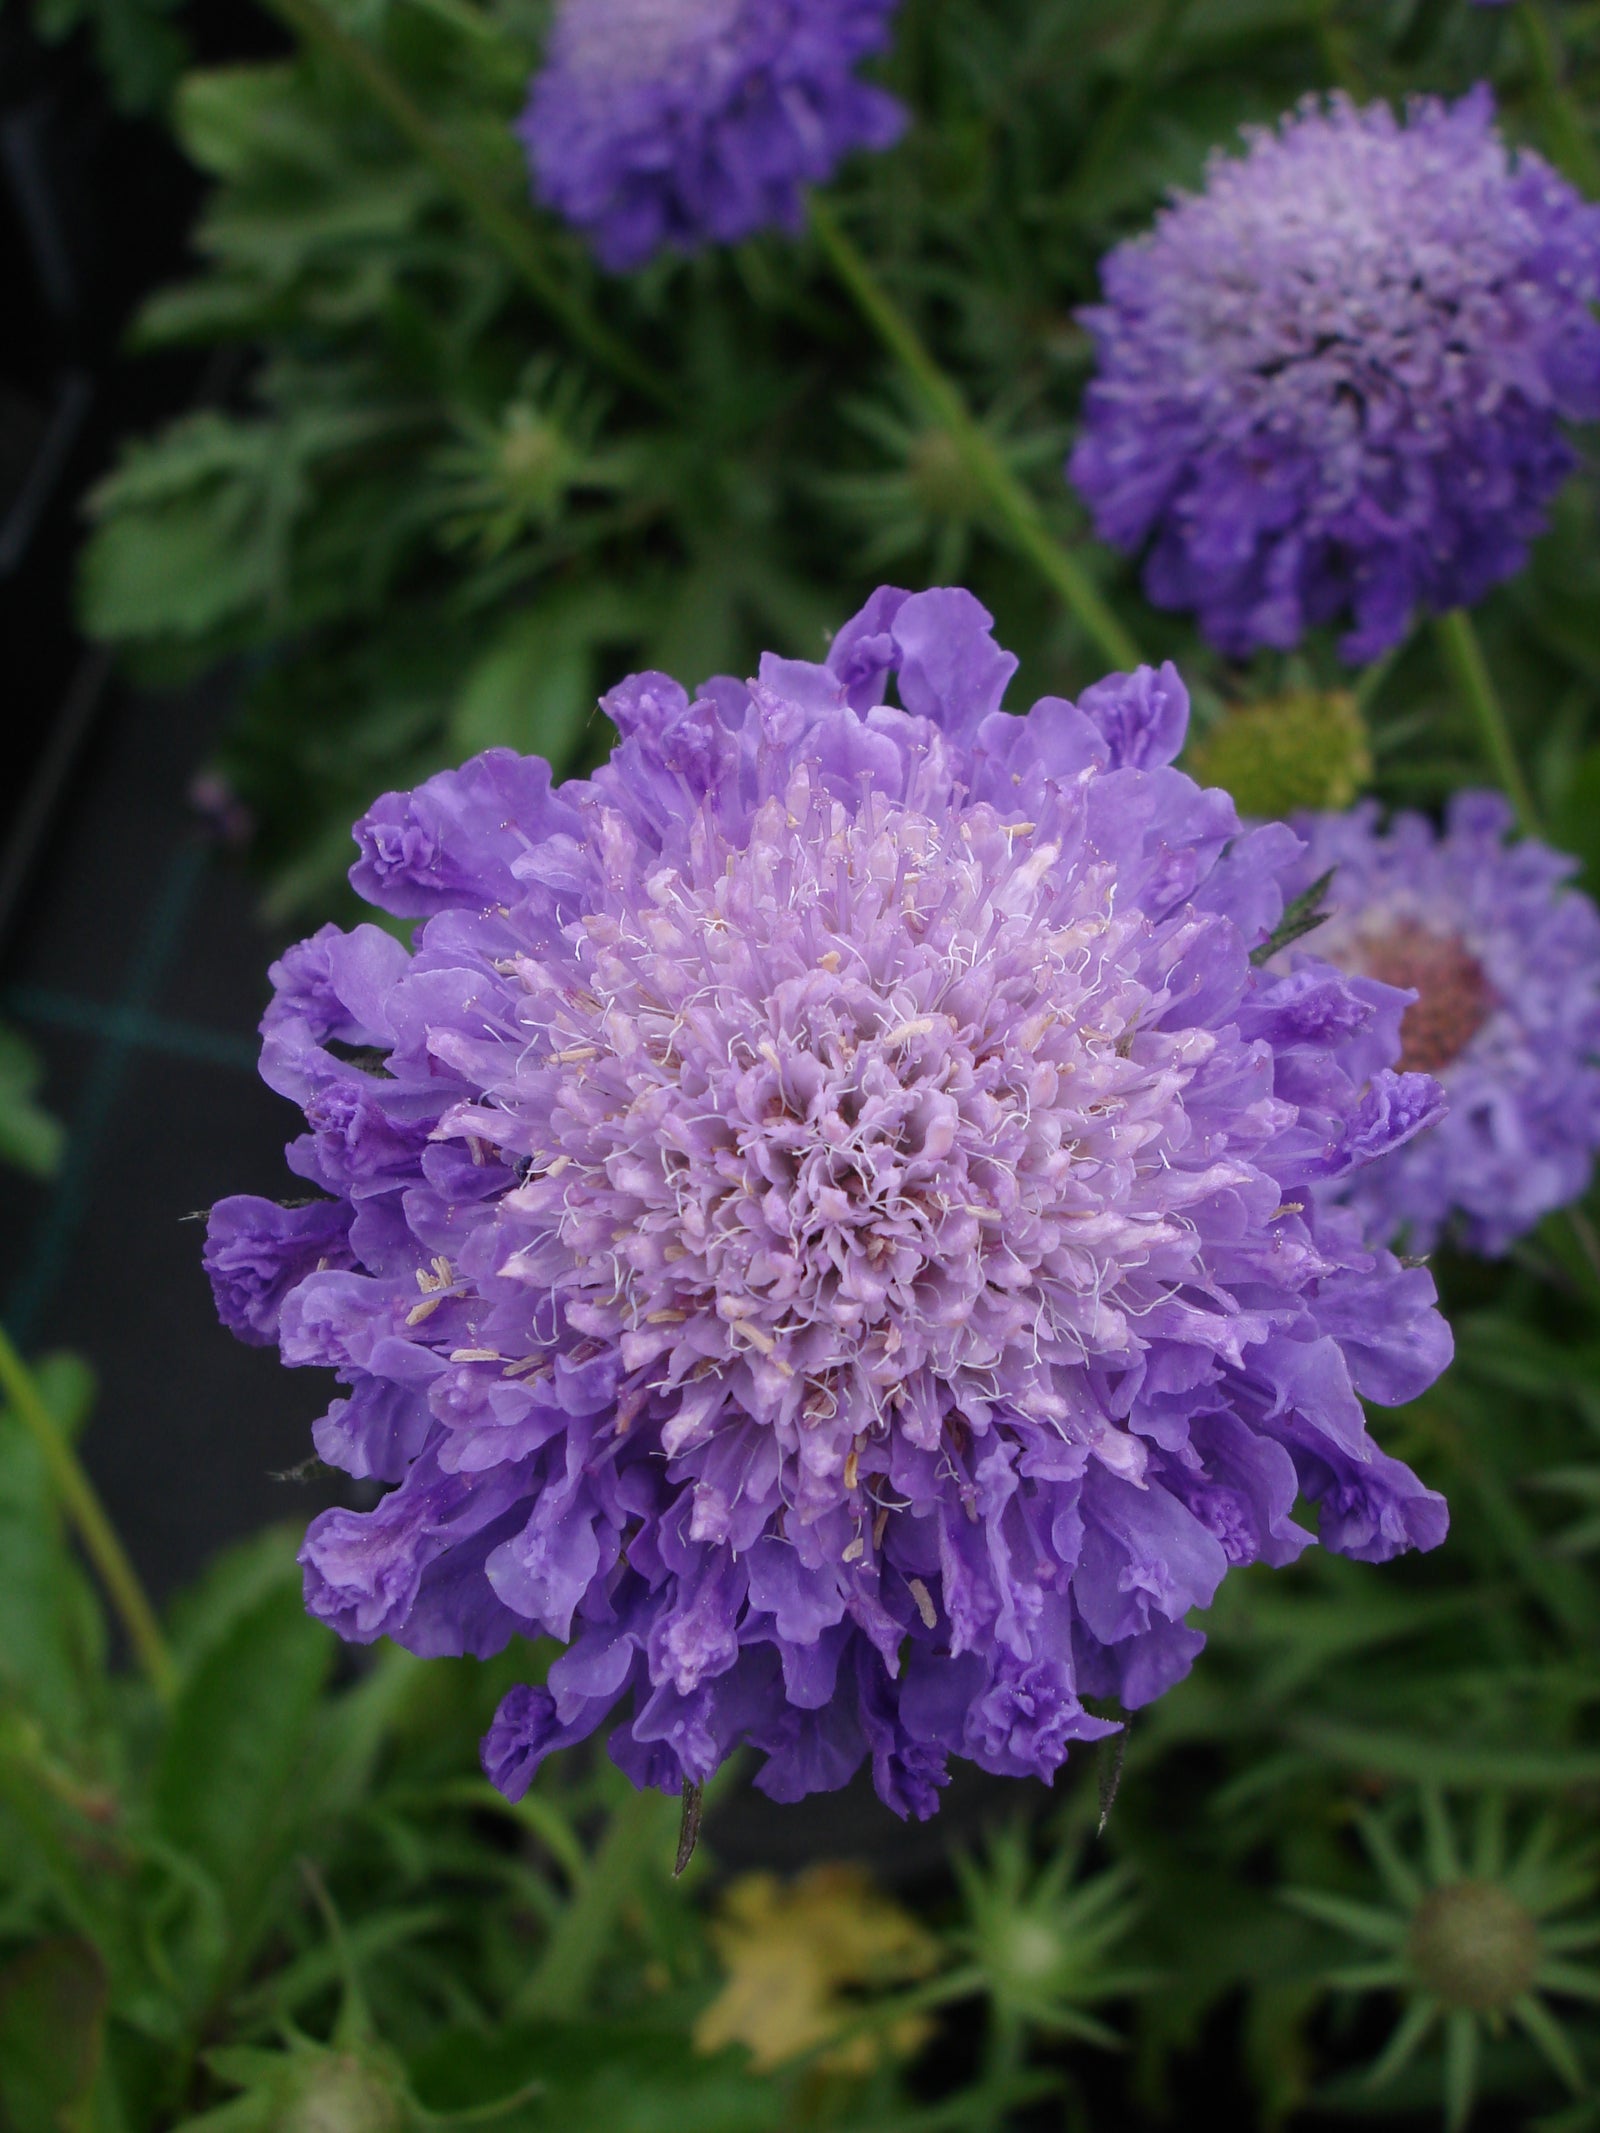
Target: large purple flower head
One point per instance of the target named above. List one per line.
(1330, 382)
(825, 1220)
(686, 122)
(1504, 959)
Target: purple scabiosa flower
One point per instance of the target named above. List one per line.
(1504, 959)
(687, 122)
(1330, 383)
(828, 1221)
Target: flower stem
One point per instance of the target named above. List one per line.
(87, 1514)
(1010, 501)
(512, 234)
(1570, 143)
(1463, 654)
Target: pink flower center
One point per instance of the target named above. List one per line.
(1454, 998)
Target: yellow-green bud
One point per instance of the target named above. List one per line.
(941, 480)
(535, 460)
(340, 2093)
(1308, 749)
(1474, 1946)
(1026, 1953)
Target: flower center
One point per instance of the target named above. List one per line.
(1474, 1945)
(866, 1119)
(1454, 998)
(622, 41)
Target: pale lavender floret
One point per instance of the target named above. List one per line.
(1504, 955)
(678, 123)
(1331, 383)
(834, 1235)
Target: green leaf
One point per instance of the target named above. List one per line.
(225, 116)
(228, 1788)
(532, 690)
(1575, 821)
(1467, 1764)
(52, 2034)
(1304, 915)
(29, 1137)
(601, 2077)
(198, 527)
(233, 1585)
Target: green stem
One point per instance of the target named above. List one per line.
(562, 1981)
(1463, 654)
(511, 233)
(1011, 503)
(1004, 2048)
(83, 1507)
(1570, 143)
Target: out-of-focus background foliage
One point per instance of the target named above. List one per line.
(398, 510)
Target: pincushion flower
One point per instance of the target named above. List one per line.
(1504, 958)
(1331, 383)
(688, 122)
(822, 1220)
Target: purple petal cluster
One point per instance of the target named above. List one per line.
(1330, 383)
(822, 1221)
(1504, 959)
(685, 122)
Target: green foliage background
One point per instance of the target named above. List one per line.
(443, 510)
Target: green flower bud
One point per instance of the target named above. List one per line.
(338, 2092)
(1474, 1946)
(535, 461)
(941, 481)
(1026, 1954)
(1308, 749)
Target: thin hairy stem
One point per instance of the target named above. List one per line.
(1463, 654)
(78, 1498)
(512, 234)
(1013, 506)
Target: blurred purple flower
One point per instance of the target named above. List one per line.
(687, 122)
(1504, 957)
(831, 1236)
(1330, 383)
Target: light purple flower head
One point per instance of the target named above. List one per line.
(831, 1237)
(687, 122)
(1330, 383)
(1504, 959)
